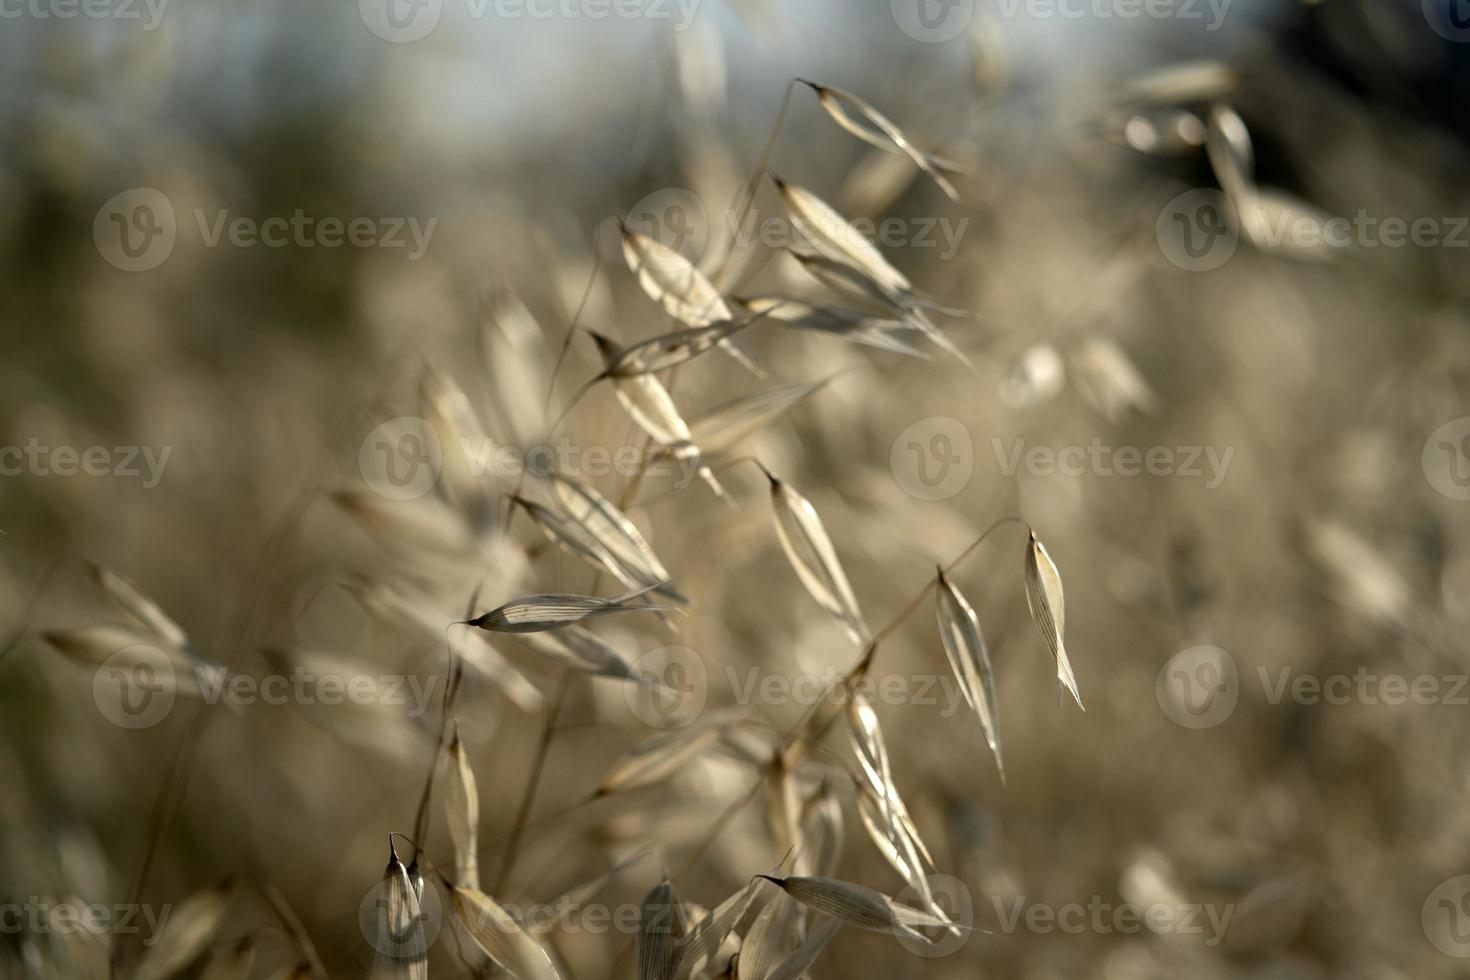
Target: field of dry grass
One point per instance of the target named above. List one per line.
(531, 443)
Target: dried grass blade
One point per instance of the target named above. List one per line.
(1048, 610)
(969, 658)
(577, 648)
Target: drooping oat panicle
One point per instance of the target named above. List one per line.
(401, 943)
(138, 606)
(835, 238)
(969, 658)
(878, 332)
(497, 932)
(860, 907)
(234, 963)
(462, 811)
(651, 407)
(793, 967)
(551, 611)
(190, 929)
(871, 126)
(812, 555)
(615, 532)
(658, 933)
(1048, 610)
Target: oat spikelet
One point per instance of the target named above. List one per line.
(401, 944)
(550, 611)
(1048, 611)
(969, 658)
(812, 555)
(860, 907)
(658, 925)
(496, 932)
(462, 809)
(871, 126)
